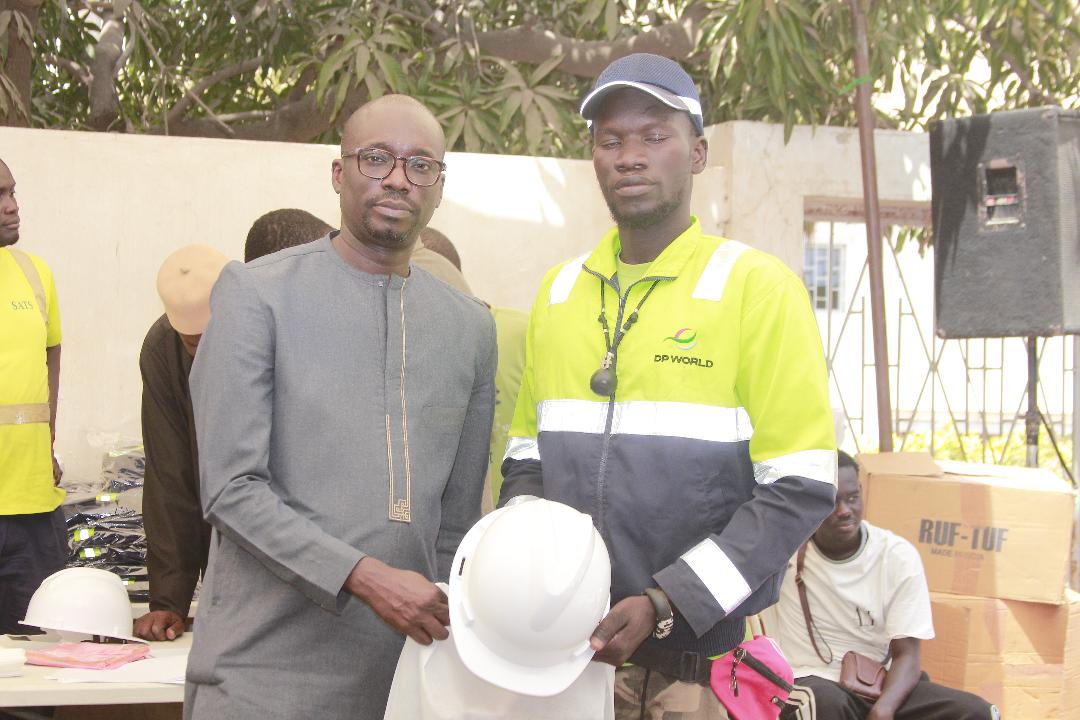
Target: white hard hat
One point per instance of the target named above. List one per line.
(80, 603)
(528, 586)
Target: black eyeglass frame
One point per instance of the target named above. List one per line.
(405, 164)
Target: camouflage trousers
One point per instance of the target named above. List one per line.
(664, 697)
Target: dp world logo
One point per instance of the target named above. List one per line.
(685, 339)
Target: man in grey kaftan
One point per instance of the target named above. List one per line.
(343, 401)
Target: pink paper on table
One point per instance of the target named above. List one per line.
(87, 655)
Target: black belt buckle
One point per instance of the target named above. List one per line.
(694, 668)
(684, 666)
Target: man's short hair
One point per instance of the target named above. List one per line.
(435, 241)
(280, 229)
(844, 460)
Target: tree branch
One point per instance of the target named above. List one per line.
(245, 116)
(104, 98)
(192, 96)
(17, 64)
(74, 69)
(129, 48)
(986, 34)
(300, 87)
(587, 58)
(300, 121)
(531, 43)
(1018, 70)
(416, 18)
(165, 70)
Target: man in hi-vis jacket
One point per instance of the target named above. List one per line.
(674, 389)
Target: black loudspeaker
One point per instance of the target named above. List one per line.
(1006, 198)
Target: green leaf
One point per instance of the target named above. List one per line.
(591, 13)
(361, 60)
(452, 56)
(513, 75)
(339, 96)
(510, 107)
(449, 113)
(547, 109)
(556, 93)
(715, 55)
(534, 127)
(798, 9)
(611, 20)
(332, 65)
(472, 140)
(23, 29)
(453, 132)
(753, 13)
(391, 70)
(485, 131)
(781, 30)
(11, 98)
(544, 68)
(375, 86)
(861, 80)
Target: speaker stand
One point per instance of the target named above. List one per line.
(1033, 418)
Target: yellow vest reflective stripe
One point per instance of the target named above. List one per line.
(24, 413)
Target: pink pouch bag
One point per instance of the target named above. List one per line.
(753, 681)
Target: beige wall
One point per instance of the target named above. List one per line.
(105, 209)
(817, 174)
(513, 217)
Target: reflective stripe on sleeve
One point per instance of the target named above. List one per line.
(718, 574)
(714, 277)
(638, 417)
(521, 448)
(817, 465)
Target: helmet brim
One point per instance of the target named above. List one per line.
(590, 106)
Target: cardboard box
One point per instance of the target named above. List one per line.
(984, 530)
(1024, 657)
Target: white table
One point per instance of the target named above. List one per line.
(31, 689)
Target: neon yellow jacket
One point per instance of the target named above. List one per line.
(715, 458)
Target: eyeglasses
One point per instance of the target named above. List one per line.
(377, 164)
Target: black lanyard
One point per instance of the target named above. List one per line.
(603, 381)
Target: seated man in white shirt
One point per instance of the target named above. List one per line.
(866, 591)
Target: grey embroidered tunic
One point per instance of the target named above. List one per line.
(339, 414)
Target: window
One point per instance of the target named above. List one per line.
(825, 295)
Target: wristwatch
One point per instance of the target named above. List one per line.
(665, 618)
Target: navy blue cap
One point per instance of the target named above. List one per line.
(661, 77)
